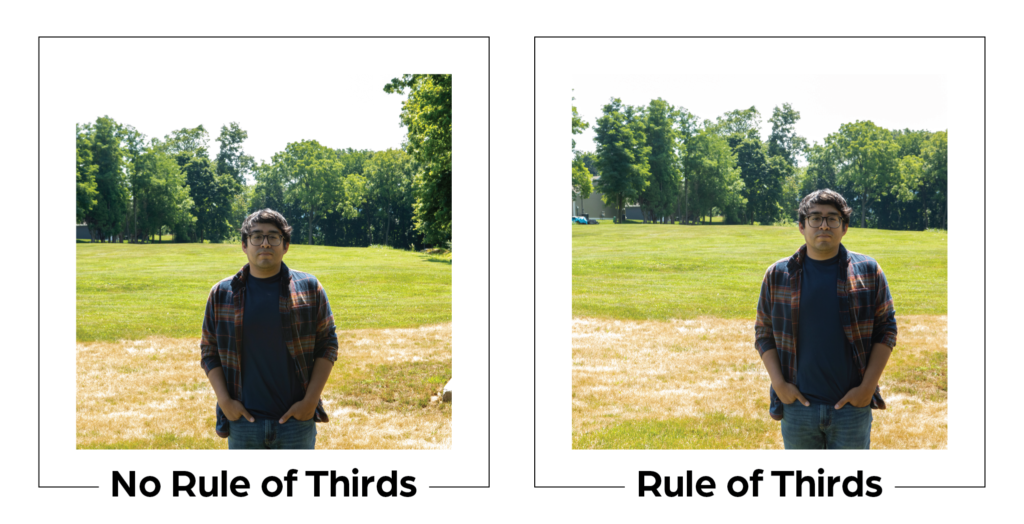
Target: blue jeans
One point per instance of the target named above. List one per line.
(270, 434)
(822, 426)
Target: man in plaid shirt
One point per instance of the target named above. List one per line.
(825, 329)
(271, 326)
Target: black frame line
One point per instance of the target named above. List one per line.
(984, 345)
(39, 40)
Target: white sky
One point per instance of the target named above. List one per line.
(279, 91)
(824, 101)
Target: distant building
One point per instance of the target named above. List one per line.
(595, 208)
(82, 232)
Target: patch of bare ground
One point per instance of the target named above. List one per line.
(152, 394)
(625, 371)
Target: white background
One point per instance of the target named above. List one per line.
(512, 496)
(960, 59)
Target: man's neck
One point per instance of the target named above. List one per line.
(818, 255)
(259, 273)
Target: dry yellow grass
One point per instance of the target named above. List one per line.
(150, 394)
(634, 371)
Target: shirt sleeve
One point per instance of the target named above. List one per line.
(763, 332)
(326, 335)
(885, 314)
(210, 359)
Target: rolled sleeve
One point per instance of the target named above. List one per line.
(326, 333)
(884, 331)
(764, 334)
(209, 358)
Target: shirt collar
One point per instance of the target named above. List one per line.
(797, 260)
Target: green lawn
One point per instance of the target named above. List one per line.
(660, 271)
(132, 291)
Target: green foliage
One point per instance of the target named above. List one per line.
(85, 173)
(106, 218)
(581, 179)
(133, 291)
(784, 142)
(390, 176)
(427, 114)
(231, 159)
(867, 157)
(313, 181)
(740, 121)
(578, 126)
(659, 198)
(648, 272)
(622, 154)
(713, 180)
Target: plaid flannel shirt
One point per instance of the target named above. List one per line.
(865, 307)
(306, 321)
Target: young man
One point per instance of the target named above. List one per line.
(268, 344)
(825, 328)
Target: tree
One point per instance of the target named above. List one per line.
(132, 147)
(313, 183)
(578, 125)
(714, 177)
(390, 196)
(85, 173)
(231, 159)
(167, 202)
(659, 198)
(581, 178)
(934, 153)
(107, 217)
(783, 141)
(742, 121)
(212, 192)
(427, 114)
(622, 154)
(867, 159)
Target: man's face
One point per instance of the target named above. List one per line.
(265, 258)
(822, 241)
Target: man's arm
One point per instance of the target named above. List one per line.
(787, 392)
(305, 408)
(860, 396)
(764, 341)
(211, 364)
(883, 340)
(232, 408)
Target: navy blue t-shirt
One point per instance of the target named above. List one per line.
(825, 370)
(270, 383)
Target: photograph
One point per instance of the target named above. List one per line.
(265, 262)
(759, 261)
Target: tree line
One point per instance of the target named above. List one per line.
(134, 188)
(677, 167)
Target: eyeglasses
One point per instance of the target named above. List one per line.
(815, 221)
(274, 240)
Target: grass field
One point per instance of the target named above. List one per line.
(140, 308)
(134, 291)
(661, 272)
(663, 337)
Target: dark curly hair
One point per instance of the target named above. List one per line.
(265, 216)
(825, 197)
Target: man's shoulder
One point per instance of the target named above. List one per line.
(779, 267)
(862, 263)
(301, 279)
(223, 286)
